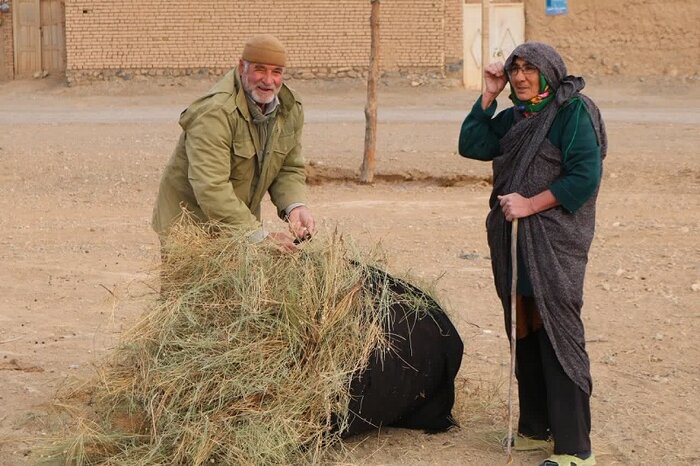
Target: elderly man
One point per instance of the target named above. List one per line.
(239, 141)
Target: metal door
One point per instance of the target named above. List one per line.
(40, 37)
(506, 31)
(53, 37)
(27, 28)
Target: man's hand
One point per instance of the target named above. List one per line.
(495, 80)
(282, 241)
(301, 222)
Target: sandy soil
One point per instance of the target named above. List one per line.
(79, 174)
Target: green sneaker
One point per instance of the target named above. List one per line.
(522, 443)
(569, 460)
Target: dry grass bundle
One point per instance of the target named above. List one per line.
(246, 358)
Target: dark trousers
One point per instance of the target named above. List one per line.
(550, 402)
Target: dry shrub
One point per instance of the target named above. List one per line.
(480, 408)
(246, 358)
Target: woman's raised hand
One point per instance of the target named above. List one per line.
(495, 80)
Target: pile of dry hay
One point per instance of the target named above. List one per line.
(246, 358)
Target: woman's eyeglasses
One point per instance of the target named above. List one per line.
(528, 70)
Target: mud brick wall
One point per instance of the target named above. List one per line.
(635, 38)
(325, 38)
(329, 38)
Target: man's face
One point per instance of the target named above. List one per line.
(262, 82)
(525, 79)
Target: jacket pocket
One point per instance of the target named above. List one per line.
(243, 148)
(243, 163)
(285, 143)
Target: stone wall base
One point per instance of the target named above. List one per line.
(418, 74)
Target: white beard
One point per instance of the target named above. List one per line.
(263, 100)
(253, 92)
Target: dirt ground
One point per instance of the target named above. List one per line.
(79, 174)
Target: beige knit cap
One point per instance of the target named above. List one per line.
(265, 49)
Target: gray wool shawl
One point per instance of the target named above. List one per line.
(554, 244)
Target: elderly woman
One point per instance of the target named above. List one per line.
(547, 151)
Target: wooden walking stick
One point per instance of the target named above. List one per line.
(513, 291)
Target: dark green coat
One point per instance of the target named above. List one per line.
(214, 171)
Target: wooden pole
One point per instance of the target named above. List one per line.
(367, 169)
(513, 333)
(485, 53)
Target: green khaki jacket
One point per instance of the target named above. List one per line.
(214, 171)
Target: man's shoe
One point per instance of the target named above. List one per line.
(569, 460)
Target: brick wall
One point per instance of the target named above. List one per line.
(324, 37)
(453, 35)
(6, 54)
(331, 37)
